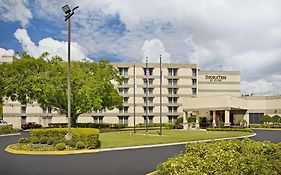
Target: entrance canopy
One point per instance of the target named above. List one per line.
(225, 102)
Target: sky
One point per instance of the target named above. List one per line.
(240, 35)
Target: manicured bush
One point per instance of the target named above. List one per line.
(71, 143)
(50, 141)
(88, 135)
(276, 119)
(60, 146)
(230, 129)
(35, 140)
(266, 119)
(80, 145)
(24, 140)
(7, 129)
(44, 140)
(55, 142)
(169, 125)
(225, 157)
(179, 120)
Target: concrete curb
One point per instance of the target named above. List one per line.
(13, 151)
(172, 144)
(6, 135)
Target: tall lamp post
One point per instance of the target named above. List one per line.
(68, 14)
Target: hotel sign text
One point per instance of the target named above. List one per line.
(215, 77)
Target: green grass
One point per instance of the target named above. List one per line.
(125, 139)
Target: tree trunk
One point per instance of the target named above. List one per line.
(73, 120)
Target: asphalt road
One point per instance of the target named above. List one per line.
(131, 162)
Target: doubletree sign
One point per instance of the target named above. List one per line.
(215, 77)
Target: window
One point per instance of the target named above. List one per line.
(150, 81)
(172, 71)
(124, 109)
(123, 119)
(172, 90)
(255, 118)
(194, 81)
(150, 90)
(150, 99)
(47, 110)
(125, 100)
(172, 119)
(123, 90)
(172, 81)
(150, 109)
(23, 119)
(125, 81)
(98, 119)
(172, 100)
(193, 91)
(23, 109)
(150, 119)
(98, 111)
(123, 71)
(194, 72)
(172, 109)
(150, 71)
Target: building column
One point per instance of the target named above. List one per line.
(197, 120)
(185, 124)
(214, 119)
(226, 118)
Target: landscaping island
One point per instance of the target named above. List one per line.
(51, 140)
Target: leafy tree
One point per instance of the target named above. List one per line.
(276, 119)
(266, 119)
(45, 82)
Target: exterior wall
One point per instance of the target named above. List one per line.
(212, 83)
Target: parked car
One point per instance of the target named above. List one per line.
(30, 125)
(4, 123)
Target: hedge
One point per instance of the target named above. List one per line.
(265, 125)
(7, 129)
(225, 157)
(89, 125)
(230, 129)
(87, 135)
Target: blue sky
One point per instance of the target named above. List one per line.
(215, 34)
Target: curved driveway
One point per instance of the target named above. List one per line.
(135, 161)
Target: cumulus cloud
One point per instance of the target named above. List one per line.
(14, 10)
(6, 52)
(53, 47)
(260, 87)
(153, 49)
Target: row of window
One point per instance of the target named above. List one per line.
(150, 81)
(171, 91)
(124, 119)
(171, 109)
(171, 71)
(45, 110)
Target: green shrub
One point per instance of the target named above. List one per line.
(266, 119)
(35, 140)
(60, 146)
(71, 143)
(44, 140)
(179, 120)
(88, 135)
(276, 119)
(169, 125)
(230, 129)
(225, 157)
(50, 141)
(80, 145)
(24, 140)
(7, 129)
(265, 125)
(55, 142)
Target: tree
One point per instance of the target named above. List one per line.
(276, 119)
(45, 82)
(266, 119)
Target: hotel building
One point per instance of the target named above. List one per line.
(186, 91)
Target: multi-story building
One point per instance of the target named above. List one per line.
(186, 91)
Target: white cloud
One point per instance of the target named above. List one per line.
(153, 49)
(260, 87)
(6, 52)
(53, 47)
(15, 10)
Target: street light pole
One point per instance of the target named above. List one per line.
(68, 13)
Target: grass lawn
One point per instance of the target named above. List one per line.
(128, 138)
